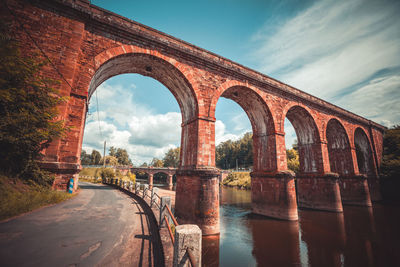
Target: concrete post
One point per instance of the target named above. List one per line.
(187, 238)
(154, 190)
(145, 188)
(169, 180)
(130, 186)
(137, 188)
(165, 201)
(150, 179)
(116, 181)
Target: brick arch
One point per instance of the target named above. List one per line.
(362, 144)
(339, 150)
(260, 116)
(132, 59)
(308, 137)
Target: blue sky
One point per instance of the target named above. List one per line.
(345, 52)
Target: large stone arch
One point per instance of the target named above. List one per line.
(151, 63)
(340, 158)
(261, 119)
(308, 138)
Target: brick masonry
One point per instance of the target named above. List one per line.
(88, 45)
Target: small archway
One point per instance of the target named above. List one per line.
(340, 159)
(264, 156)
(308, 139)
(364, 153)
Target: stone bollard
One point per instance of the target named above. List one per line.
(154, 190)
(130, 186)
(137, 188)
(165, 201)
(187, 240)
(145, 188)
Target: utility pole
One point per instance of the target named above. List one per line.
(236, 164)
(104, 157)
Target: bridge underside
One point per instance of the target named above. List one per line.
(339, 151)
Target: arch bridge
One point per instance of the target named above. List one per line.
(150, 171)
(340, 152)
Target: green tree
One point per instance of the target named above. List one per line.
(86, 159)
(229, 152)
(123, 157)
(390, 168)
(96, 157)
(113, 151)
(28, 110)
(293, 163)
(158, 163)
(171, 158)
(110, 160)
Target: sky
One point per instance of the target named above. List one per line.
(345, 52)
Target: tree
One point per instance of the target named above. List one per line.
(86, 159)
(110, 160)
(113, 151)
(390, 167)
(123, 157)
(158, 163)
(293, 162)
(28, 110)
(96, 157)
(229, 152)
(171, 158)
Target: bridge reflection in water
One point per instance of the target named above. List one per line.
(358, 237)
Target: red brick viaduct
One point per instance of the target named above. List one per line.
(340, 152)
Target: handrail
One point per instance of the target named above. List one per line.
(169, 230)
(172, 216)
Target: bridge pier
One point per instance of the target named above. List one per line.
(354, 190)
(274, 195)
(197, 199)
(150, 181)
(169, 180)
(319, 192)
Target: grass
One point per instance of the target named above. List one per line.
(238, 179)
(17, 197)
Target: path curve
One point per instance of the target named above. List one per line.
(100, 227)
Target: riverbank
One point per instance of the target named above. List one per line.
(18, 197)
(239, 180)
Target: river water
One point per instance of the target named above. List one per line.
(357, 237)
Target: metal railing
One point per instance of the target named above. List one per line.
(159, 203)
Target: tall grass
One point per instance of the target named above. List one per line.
(238, 179)
(17, 197)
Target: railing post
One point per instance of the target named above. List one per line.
(145, 188)
(130, 186)
(153, 192)
(165, 201)
(137, 188)
(187, 245)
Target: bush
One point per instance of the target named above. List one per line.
(107, 173)
(238, 179)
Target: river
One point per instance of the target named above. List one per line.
(357, 237)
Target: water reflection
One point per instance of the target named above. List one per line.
(358, 237)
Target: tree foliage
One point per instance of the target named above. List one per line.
(28, 110)
(229, 152)
(110, 160)
(158, 163)
(293, 163)
(171, 158)
(390, 167)
(95, 157)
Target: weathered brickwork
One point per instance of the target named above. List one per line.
(87, 45)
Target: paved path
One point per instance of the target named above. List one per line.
(100, 227)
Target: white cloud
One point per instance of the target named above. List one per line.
(331, 47)
(221, 135)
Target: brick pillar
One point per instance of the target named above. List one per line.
(150, 181)
(169, 180)
(273, 191)
(354, 187)
(320, 189)
(197, 187)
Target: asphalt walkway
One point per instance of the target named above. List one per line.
(99, 227)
